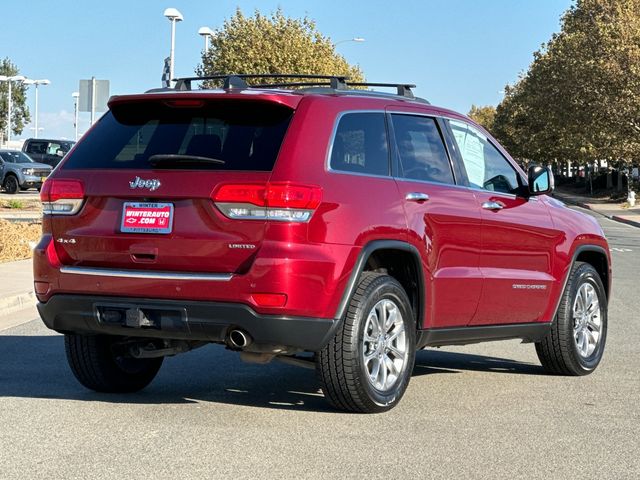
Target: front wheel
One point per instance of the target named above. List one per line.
(367, 366)
(575, 343)
(11, 184)
(98, 364)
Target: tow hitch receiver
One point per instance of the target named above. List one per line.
(136, 318)
(142, 316)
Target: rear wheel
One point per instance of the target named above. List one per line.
(98, 364)
(11, 184)
(575, 343)
(367, 366)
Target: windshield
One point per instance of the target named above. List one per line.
(218, 135)
(15, 157)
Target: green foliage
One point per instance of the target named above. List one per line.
(484, 116)
(16, 204)
(19, 110)
(580, 98)
(273, 44)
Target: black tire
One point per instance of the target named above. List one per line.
(558, 351)
(97, 366)
(341, 366)
(11, 184)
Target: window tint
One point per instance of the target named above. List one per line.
(485, 166)
(420, 148)
(37, 147)
(360, 144)
(245, 135)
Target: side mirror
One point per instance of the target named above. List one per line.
(541, 180)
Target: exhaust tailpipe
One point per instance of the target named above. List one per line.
(239, 339)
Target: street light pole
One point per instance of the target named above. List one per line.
(207, 33)
(354, 39)
(36, 83)
(75, 96)
(174, 16)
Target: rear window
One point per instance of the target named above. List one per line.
(231, 135)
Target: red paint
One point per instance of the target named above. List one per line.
(471, 258)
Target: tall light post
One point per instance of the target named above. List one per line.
(174, 16)
(36, 83)
(75, 96)
(207, 33)
(354, 39)
(10, 80)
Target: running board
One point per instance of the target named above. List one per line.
(437, 337)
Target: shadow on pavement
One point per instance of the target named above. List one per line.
(436, 361)
(36, 367)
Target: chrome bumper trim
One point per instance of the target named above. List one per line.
(147, 274)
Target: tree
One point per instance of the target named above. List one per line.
(273, 44)
(19, 110)
(580, 98)
(484, 116)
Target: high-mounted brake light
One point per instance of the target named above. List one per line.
(283, 202)
(185, 103)
(61, 196)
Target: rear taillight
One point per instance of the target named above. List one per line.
(282, 202)
(61, 196)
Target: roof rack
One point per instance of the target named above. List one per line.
(336, 83)
(234, 81)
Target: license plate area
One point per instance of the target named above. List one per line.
(147, 217)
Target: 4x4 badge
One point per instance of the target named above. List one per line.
(152, 184)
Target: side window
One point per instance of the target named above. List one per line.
(360, 144)
(52, 148)
(36, 147)
(485, 166)
(420, 148)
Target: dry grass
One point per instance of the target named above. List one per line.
(15, 239)
(21, 204)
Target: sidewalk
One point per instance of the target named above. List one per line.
(609, 209)
(16, 286)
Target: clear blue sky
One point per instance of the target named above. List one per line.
(458, 52)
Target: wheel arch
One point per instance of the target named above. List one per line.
(400, 260)
(597, 257)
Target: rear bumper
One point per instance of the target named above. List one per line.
(205, 321)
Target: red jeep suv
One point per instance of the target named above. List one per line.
(321, 225)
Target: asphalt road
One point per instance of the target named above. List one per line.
(482, 411)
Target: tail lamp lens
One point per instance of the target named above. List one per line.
(271, 201)
(62, 196)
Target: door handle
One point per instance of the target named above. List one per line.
(492, 205)
(416, 197)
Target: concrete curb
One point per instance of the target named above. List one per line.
(15, 303)
(625, 220)
(21, 218)
(615, 218)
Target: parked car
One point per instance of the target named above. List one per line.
(336, 228)
(47, 151)
(18, 171)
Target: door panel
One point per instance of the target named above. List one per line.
(516, 260)
(443, 221)
(446, 231)
(518, 237)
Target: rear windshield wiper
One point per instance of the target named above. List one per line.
(168, 159)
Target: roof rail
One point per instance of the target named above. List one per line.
(238, 80)
(334, 82)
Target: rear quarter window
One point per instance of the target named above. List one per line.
(360, 144)
(244, 135)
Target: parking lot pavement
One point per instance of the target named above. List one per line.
(482, 411)
(21, 195)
